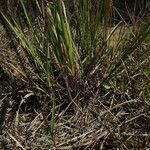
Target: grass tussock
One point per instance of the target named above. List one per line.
(71, 80)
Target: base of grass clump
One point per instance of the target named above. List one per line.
(110, 120)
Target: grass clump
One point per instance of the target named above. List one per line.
(79, 71)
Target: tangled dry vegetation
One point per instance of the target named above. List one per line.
(115, 115)
(109, 121)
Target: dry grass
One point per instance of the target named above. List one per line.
(102, 125)
(116, 115)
